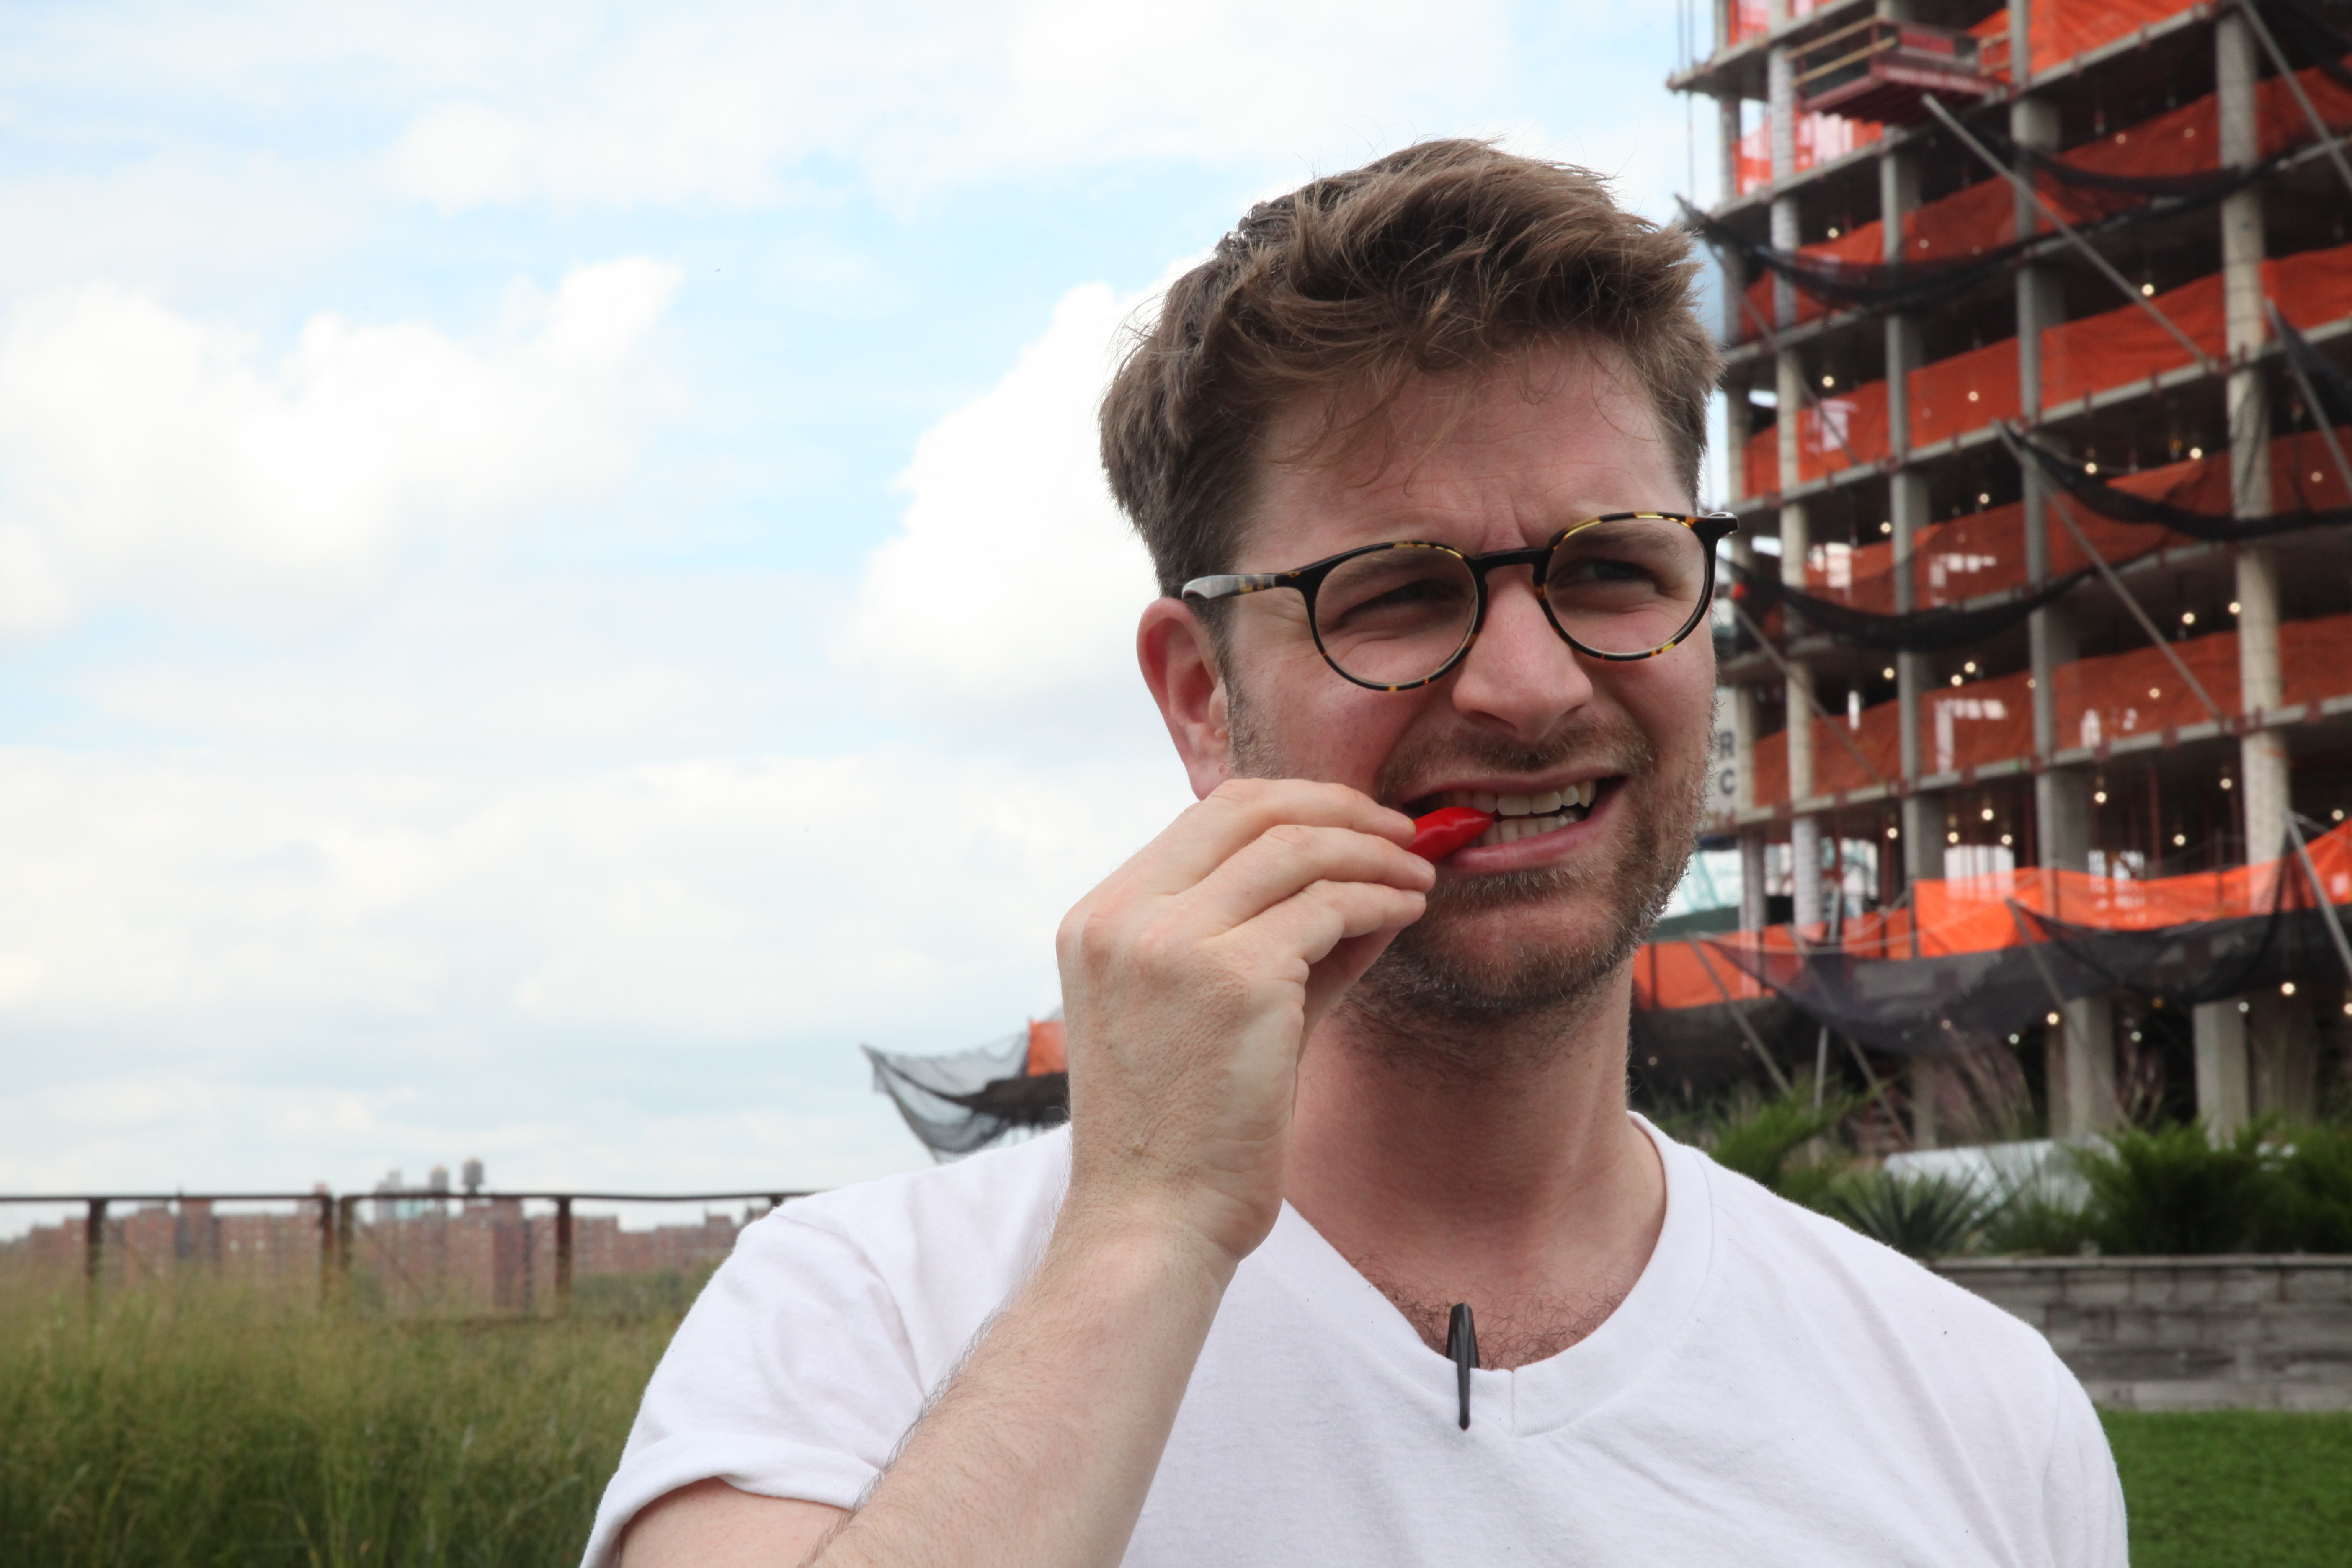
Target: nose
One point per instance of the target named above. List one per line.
(1521, 677)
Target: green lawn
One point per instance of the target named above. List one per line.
(206, 1429)
(2236, 1487)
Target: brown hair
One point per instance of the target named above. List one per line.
(1444, 256)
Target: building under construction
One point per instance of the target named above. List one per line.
(2038, 647)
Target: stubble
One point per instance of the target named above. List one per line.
(1445, 1000)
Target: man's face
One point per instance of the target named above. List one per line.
(1503, 460)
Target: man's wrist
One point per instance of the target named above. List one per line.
(1149, 1243)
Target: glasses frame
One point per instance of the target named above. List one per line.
(1712, 527)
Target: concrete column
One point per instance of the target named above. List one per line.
(2087, 1043)
(1922, 815)
(2283, 1057)
(1929, 1076)
(1805, 889)
(2262, 777)
(2222, 1102)
(1781, 86)
(1727, 118)
(2040, 305)
(1805, 870)
(1751, 880)
(1920, 822)
(1738, 413)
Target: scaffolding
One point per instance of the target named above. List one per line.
(2036, 388)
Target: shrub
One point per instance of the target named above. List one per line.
(2311, 1209)
(1919, 1216)
(1759, 1140)
(2172, 1192)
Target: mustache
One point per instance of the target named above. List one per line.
(1612, 746)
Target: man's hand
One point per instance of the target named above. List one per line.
(1191, 977)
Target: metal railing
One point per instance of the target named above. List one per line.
(338, 1220)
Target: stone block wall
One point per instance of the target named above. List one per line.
(2185, 1333)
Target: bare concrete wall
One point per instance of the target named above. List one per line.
(2190, 1333)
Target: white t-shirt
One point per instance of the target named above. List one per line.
(1776, 1389)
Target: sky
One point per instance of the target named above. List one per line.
(553, 577)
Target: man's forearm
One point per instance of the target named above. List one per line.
(1040, 1450)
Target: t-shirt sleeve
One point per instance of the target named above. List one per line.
(2081, 1496)
(791, 1377)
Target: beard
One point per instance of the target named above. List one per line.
(1447, 996)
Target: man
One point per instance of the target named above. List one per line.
(1321, 1091)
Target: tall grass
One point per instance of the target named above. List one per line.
(205, 1426)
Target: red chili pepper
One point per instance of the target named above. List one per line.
(1446, 829)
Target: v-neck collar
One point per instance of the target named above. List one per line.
(1544, 1395)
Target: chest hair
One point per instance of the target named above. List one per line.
(1516, 1330)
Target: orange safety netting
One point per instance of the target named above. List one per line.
(1836, 430)
(1865, 246)
(1983, 217)
(1983, 553)
(1968, 222)
(1964, 392)
(2090, 354)
(2099, 701)
(1686, 975)
(2126, 344)
(1972, 914)
(2058, 30)
(1820, 139)
(1049, 1048)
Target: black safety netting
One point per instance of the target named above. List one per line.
(2330, 384)
(1860, 284)
(2312, 33)
(1934, 630)
(2081, 483)
(1921, 1007)
(1941, 1003)
(2096, 194)
(964, 1101)
(2204, 960)
(1696, 1055)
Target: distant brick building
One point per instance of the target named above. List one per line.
(412, 1249)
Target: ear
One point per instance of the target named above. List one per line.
(1179, 665)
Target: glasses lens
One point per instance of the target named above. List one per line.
(1394, 616)
(1626, 585)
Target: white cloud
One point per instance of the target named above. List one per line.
(1009, 595)
(726, 103)
(543, 954)
(715, 900)
(155, 457)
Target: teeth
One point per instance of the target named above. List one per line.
(1574, 799)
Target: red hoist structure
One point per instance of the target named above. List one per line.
(2036, 736)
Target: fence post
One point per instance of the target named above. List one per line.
(563, 1253)
(326, 1247)
(347, 1215)
(93, 1247)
